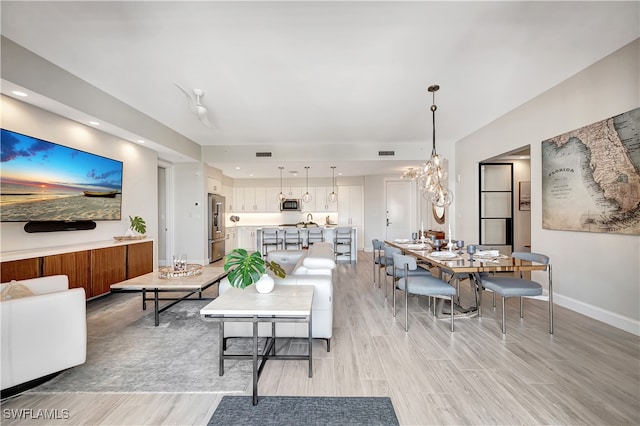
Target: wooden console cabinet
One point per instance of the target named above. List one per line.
(94, 269)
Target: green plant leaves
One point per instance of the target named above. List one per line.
(247, 268)
(138, 224)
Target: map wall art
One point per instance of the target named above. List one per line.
(591, 177)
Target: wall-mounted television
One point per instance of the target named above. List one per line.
(44, 181)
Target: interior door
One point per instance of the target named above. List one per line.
(398, 201)
(496, 206)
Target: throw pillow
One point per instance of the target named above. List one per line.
(15, 290)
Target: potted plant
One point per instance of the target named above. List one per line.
(137, 226)
(247, 268)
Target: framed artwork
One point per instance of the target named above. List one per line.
(591, 177)
(524, 195)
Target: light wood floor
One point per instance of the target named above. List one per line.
(586, 373)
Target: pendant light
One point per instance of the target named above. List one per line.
(434, 172)
(281, 196)
(307, 197)
(333, 197)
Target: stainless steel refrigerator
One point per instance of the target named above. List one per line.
(216, 227)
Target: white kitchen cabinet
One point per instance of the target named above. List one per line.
(294, 192)
(350, 210)
(272, 205)
(247, 237)
(227, 192)
(322, 199)
(250, 199)
(231, 233)
(260, 200)
(214, 186)
(245, 199)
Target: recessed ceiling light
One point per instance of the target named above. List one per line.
(140, 141)
(95, 123)
(19, 93)
(237, 167)
(250, 174)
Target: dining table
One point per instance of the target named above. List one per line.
(454, 265)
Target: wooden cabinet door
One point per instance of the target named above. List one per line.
(139, 259)
(108, 266)
(20, 269)
(76, 266)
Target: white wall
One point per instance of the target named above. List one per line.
(139, 188)
(190, 212)
(595, 274)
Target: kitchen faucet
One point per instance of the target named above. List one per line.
(309, 215)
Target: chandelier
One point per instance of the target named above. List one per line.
(433, 174)
(410, 173)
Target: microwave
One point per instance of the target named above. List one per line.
(290, 205)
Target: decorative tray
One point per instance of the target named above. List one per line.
(129, 237)
(192, 269)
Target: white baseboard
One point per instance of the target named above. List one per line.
(615, 320)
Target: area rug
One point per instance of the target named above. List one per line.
(178, 356)
(303, 410)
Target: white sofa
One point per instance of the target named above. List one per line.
(304, 267)
(44, 332)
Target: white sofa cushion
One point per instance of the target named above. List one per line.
(44, 333)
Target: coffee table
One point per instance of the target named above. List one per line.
(286, 303)
(152, 282)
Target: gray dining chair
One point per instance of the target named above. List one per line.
(518, 286)
(397, 273)
(378, 259)
(427, 285)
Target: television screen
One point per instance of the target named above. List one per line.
(44, 181)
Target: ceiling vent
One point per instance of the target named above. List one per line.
(263, 154)
(386, 153)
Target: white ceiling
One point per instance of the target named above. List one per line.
(330, 73)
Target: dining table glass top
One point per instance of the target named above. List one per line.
(460, 261)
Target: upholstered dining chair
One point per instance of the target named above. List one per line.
(397, 273)
(378, 259)
(426, 285)
(519, 287)
(270, 238)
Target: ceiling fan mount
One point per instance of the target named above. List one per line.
(195, 104)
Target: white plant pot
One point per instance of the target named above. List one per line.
(265, 284)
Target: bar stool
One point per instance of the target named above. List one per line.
(342, 242)
(315, 235)
(270, 237)
(292, 237)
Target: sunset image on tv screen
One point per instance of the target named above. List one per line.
(41, 180)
